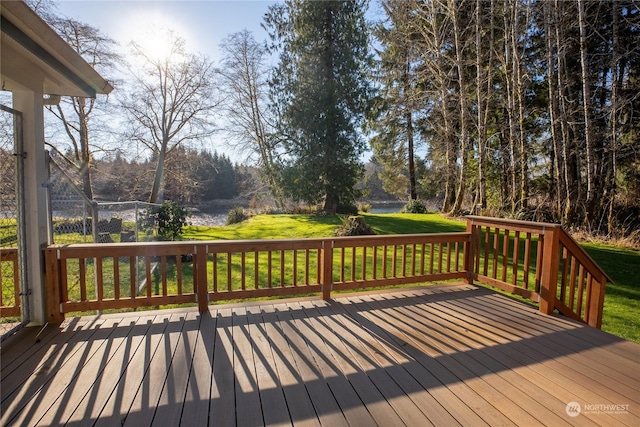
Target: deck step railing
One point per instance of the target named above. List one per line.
(540, 261)
(536, 260)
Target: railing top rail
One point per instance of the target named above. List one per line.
(454, 236)
(513, 223)
(582, 255)
(184, 243)
(89, 246)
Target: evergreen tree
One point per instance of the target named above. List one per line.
(393, 121)
(320, 92)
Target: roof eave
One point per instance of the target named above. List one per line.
(28, 30)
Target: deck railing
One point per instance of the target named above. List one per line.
(539, 261)
(9, 283)
(535, 260)
(88, 277)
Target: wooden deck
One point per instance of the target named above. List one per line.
(442, 356)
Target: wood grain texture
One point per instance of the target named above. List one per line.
(437, 355)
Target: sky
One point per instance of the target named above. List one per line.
(203, 24)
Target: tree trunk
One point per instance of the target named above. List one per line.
(464, 132)
(413, 192)
(408, 116)
(568, 162)
(617, 75)
(523, 197)
(155, 196)
(586, 104)
(482, 132)
(85, 157)
(557, 172)
(510, 107)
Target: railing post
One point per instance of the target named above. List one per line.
(550, 266)
(326, 268)
(469, 252)
(52, 265)
(596, 302)
(200, 281)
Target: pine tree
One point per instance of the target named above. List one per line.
(320, 92)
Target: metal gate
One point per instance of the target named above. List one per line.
(14, 303)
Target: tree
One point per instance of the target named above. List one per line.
(439, 124)
(394, 142)
(170, 102)
(245, 88)
(73, 112)
(455, 11)
(321, 89)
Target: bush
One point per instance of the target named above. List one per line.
(414, 206)
(354, 226)
(168, 219)
(347, 209)
(236, 215)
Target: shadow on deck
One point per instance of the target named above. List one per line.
(438, 355)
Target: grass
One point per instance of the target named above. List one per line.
(622, 299)
(307, 226)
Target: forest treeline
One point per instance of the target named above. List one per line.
(192, 177)
(526, 109)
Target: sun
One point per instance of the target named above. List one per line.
(156, 42)
(154, 35)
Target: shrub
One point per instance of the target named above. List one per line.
(414, 206)
(236, 215)
(347, 209)
(354, 226)
(168, 219)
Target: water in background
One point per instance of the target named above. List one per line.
(218, 216)
(386, 207)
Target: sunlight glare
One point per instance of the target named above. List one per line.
(154, 33)
(156, 42)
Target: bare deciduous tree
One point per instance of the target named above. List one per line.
(246, 113)
(170, 103)
(74, 113)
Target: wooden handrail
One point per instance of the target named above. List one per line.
(582, 283)
(513, 224)
(92, 276)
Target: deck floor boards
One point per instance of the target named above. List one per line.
(436, 355)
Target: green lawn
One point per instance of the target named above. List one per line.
(622, 301)
(305, 226)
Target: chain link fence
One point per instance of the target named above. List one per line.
(73, 215)
(123, 221)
